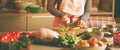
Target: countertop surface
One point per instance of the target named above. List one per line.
(42, 47)
(27, 14)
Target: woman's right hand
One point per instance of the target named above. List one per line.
(65, 19)
(81, 23)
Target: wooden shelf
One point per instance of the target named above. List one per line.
(102, 14)
(97, 12)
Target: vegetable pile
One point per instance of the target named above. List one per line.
(69, 30)
(67, 38)
(14, 41)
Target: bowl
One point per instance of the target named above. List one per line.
(35, 9)
(90, 48)
(99, 36)
(90, 45)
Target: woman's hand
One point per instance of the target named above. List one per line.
(65, 19)
(81, 23)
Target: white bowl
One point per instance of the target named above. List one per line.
(90, 48)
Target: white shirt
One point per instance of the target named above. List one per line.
(73, 7)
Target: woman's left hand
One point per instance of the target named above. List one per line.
(65, 19)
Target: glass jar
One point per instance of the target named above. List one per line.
(117, 39)
(20, 4)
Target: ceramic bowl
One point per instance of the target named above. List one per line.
(90, 48)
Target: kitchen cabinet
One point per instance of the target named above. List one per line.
(103, 8)
(117, 9)
(39, 21)
(9, 23)
(25, 22)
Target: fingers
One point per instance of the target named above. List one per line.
(81, 23)
(65, 19)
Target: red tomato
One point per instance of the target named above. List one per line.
(16, 36)
(11, 36)
(6, 38)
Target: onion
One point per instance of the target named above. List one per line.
(45, 34)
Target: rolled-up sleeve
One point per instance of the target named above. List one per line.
(53, 10)
(87, 12)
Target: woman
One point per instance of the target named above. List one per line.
(70, 12)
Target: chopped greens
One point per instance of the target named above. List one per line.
(66, 41)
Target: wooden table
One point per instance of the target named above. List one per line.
(42, 47)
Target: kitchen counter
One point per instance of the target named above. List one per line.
(42, 47)
(27, 14)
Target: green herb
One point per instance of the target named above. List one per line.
(95, 30)
(85, 35)
(67, 41)
(62, 29)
